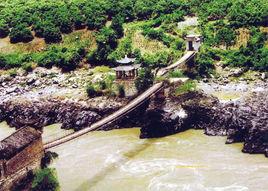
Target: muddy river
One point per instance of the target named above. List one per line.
(118, 161)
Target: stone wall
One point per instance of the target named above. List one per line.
(1, 169)
(7, 183)
(17, 167)
(24, 158)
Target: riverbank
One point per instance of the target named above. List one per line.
(220, 108)
(243, 119)
(47, 96)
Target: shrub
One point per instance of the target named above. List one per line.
(225, 36)
(48, 157)
(117, 25)
(52, 34)
(9, 61)
(3, 61)
(186, 87)
(176, 74)
(38, 28)
(13, 73)
(70, 60)
(178, 44)
(102, 85)
(50, 58)
(4, 29)
(158, 60)
(91, 92)
(20, 33)
(27, 67)
(204, 62)
(121, 91)
(107, 42)
(45, 179)
(102, 69)
(144, 80)
(79, 20)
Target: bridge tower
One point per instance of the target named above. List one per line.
(193, 42)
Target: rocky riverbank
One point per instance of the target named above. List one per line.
(245, 120)
(45, 97)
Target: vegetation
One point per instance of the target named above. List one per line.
(186, 87)
(20, 33)
(144, 80)
(48, 158)
(91, 91)
(144, 29)
(220, 21)
(45, 179)
(176, 74)
(121, 91)
(4, 29)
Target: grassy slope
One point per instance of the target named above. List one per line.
(38, 44)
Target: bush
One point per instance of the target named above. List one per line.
(144, 80)
(4, 29)
(20, 33)
(102, 69)
(45, 179)
(121, 91)
(204, 62)
(70, 61)
(13, 73)
(254, 55)
(47, 159)
(79, 20)
(28, 67)
(107, 43)
(3, 62)
(10, 60)
(158, 60)
(117, 26)
(176, 74)
(38, 28)
(50, 58)
(186, 87)
(52, 34)
(178, 44)
(102, 85)
(91, 92)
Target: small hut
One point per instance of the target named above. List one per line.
(193, 42)
(127, 69)
(19, 153)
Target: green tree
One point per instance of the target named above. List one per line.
(4, 29)
(52, 34)
(20, 33)
(117, 26)
(225, 36)
(45, 179)
(3, 61)
(121, 91)
(107, 42)
(204, 62)
(144, 80)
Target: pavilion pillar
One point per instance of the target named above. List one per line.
(117, 75)
(137, 72)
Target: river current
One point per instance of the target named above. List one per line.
(190, 161)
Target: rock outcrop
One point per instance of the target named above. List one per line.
(244, 121)
(41, 113)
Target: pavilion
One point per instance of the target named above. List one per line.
(127, 69)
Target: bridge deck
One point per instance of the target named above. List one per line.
(124, 110)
